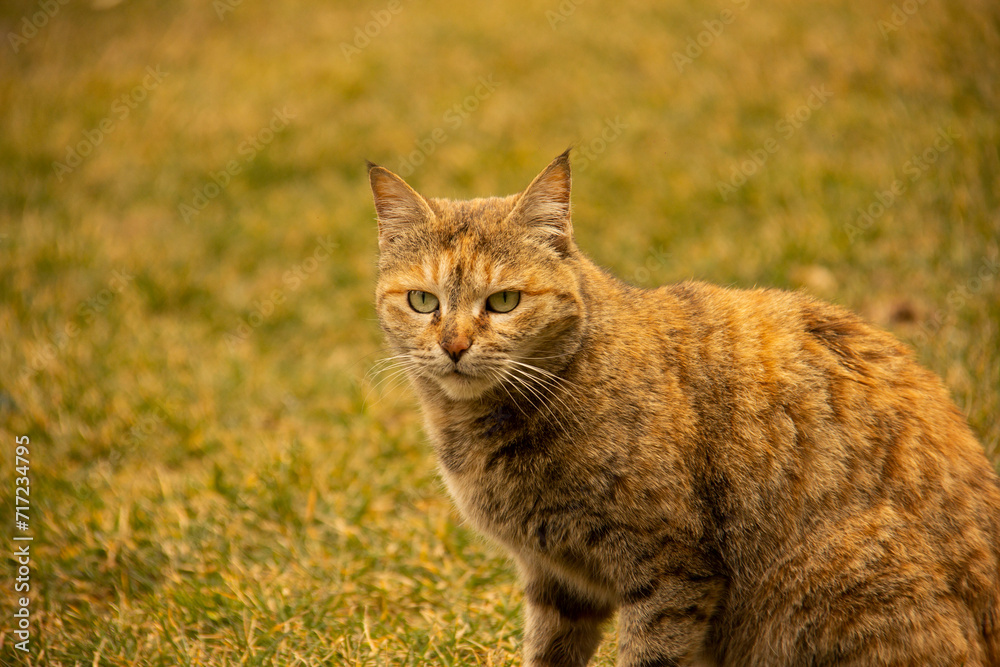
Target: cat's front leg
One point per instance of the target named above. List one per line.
(562, 622)
(669, 625)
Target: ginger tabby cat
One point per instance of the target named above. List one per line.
(749, 478)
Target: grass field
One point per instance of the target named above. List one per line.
(187, 252)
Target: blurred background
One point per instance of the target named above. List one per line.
(187, 264)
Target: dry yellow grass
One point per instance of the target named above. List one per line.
(187, 253)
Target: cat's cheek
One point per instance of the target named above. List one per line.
(523, 316)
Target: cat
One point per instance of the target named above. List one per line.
(749, 478)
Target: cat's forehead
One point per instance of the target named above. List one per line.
(471, 215)
(454, 267)
(473, 228)
(469, 255)
(453, 274)
(467, 244)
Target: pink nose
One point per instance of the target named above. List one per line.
(456, 346)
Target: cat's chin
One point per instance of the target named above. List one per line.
(463, 387)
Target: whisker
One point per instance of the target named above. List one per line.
(551, 356)
(518, 383)
(398, 367)
(551, 383)
(500, 377)
(377, 373)
(384, 388)
(383, 374)
(382, 365)
(369, 355)
(544, 372)
(396, 372)
(541, 390)
(543, 376)
(387, 360)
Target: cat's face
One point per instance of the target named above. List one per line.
(479, 296)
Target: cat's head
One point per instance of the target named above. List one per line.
(482, 296)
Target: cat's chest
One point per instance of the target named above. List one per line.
(546, 495)
(509, 475)
(554, 495)
(530, 510)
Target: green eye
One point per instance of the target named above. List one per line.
(422, 302)
(503, 302)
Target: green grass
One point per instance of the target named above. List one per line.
(214, 481)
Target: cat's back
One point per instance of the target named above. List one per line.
(756, 359)
(829, 453)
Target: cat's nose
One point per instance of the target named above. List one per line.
(456, 346)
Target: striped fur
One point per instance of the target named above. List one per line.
(746, 477)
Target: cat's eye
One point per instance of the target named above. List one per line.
(423, 302)
(503, 302)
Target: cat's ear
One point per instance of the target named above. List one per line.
(397, 205)
(544, 205)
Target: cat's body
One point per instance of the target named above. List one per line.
(748, 477)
